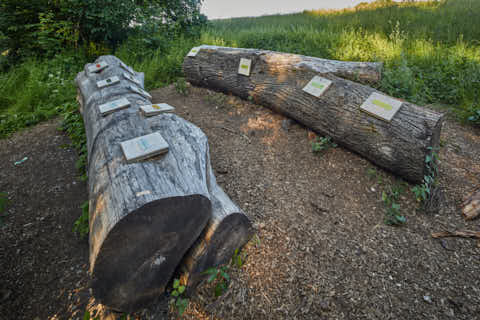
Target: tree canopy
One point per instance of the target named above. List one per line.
(41, 26)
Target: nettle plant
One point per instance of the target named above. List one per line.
(322, 144)
(423, 191)
(179, 302)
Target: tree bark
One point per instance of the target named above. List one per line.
(277, 79)
(144, 216)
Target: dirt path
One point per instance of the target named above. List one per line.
(41, 261)
(323, 250)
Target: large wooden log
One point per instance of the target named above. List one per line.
(276, 81)
(144, 216)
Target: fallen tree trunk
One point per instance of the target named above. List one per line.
(276, 81)
(144, 216)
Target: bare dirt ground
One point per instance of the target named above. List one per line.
(322, 250)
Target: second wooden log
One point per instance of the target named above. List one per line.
(277, 81)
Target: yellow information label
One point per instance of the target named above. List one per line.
(382, 104)
(156, 106)
(317, 85)
(244, 66)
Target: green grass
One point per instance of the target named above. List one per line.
(39, 89)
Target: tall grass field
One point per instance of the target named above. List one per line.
(431, 53)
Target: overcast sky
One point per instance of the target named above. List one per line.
(215, 9)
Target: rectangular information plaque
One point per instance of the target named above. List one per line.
(131, 78)
(127, 68)
(244, 67)
(193, 52)
(113, 106)
(317, 86)
(108, 82)
(150, 110)
(97, 67)
(381, 106)
(144, 147)
(140, 92)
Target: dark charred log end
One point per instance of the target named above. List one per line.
(141, 252)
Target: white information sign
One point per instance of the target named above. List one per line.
(154, 109)
(144, 147)
(132, 78)
(244, 67)
(97, 67)
(317, 86)
(193, 52)
(127, 68)
(140, 92)
(381, 106)
(113, 106)
(108, 82)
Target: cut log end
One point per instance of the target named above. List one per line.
(142, 251)
(216, 247)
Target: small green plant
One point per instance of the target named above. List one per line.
(390, 199)
(216, 99)
(222, 279)
(238, 258)
(423, 192)
(179, 302)
(3, 204)
(474, 117)
(181, 86)
(81, 224)
(322, 144)
(87, 316)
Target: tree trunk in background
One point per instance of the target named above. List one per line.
(146, 215)
(277, 79)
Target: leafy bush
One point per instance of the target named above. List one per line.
(30, 28)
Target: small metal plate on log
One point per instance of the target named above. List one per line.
(97, 67)
(132, 78)
(144, 147)
(317, 86)
(108, 82)
(244, 67)
(193, 52)
(127, 68)
(113, 106)
(154, 109)
(381, 106)
(140, 91)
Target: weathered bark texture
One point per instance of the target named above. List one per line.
(144, 216)
(471, 206)
(276, 81)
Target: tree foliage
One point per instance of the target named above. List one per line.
(46, 26)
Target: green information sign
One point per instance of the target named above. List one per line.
(381, 106)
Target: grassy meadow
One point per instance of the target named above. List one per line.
(431, 52)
